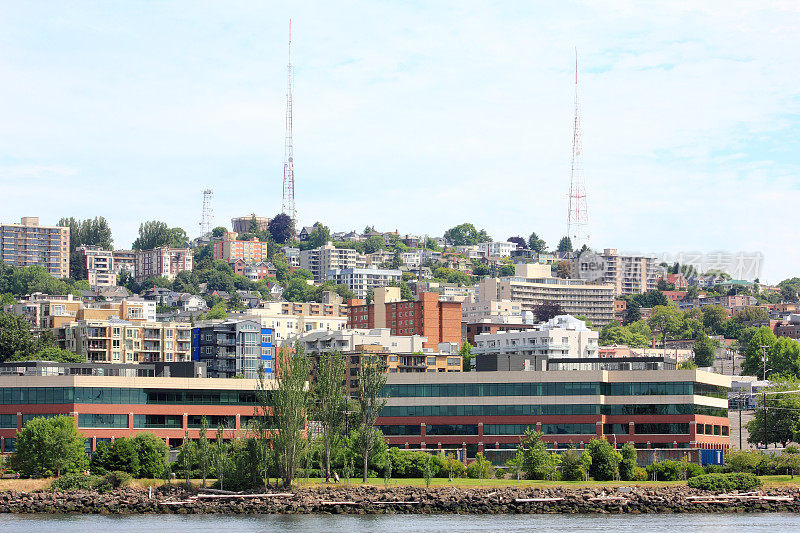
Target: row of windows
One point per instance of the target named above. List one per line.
(662, 429)
(158, 421)
(107, 395)
(94, 420)
(545, 410)
(452, 429)
(8, 421)
(490, 410)
(547, 429)
(663, 409)
(214, 421)
(413, 429)
(711, 429)
(585, 388)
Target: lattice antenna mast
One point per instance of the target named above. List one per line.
(208, 213)
(288, 159)
(578, 217)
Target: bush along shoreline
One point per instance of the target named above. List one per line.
(406, 500)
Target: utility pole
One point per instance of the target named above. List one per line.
(764, 377)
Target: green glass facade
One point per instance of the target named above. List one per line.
(109, 395)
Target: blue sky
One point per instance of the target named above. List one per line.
(413, 116)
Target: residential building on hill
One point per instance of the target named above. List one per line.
(234, 348)
(124, 261)
(29, 244)
(361, 280)
(327, 258)
(397, 354)
(254, 271)
(163, 262)
(427, 316)
(231, 249)
(497, 249)
(99, 264)
(629, 274)
(533, 285)
(561, 337)
(121, 341)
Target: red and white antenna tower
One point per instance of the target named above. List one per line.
(288, 157)
(578, 217)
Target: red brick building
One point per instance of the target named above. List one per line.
(427, 316)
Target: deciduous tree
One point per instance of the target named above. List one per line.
(371, 380)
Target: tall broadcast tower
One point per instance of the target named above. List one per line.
(578, 218)
(208, 213)
(288, 158)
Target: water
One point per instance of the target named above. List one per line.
(694, 523)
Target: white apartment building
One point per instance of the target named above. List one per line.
(292, 256)
(412, 259)
(288, 319)
(346, 340)
(497, 249)
(564, 336)
(29, 244)
(628, 274)
(361, 280)
(533, 285)
(164, 262)
(470, 251)
(321, 261)
(100, 270)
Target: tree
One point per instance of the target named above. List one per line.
(119, 456)
(281, 227)
(605, 460)
(49, 446)
(535, 461)
(92, 232)
(371, 380)
(666, 320)
(714, 318)
(564, 269)
(536, 244)
(751, 314)
(152, 234)
(330, 401)
(627, 465)
(789, 289)
(373, 244)
(564, 245)
(466, 356)
(15, 337)
(687, 364)
(547, 310)
(782, 415)
(704, 348)
(289, 405)
(575, 465)
(219, 232)
(319, 236)
(753, 355)
(465, 234)
(204, 449)
(521, 243)
(152, 452)
(784, 358)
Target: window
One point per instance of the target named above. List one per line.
(431, 360)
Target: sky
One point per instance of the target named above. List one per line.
(415, 116)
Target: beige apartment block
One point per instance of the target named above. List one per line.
(628, 274)
(320, 261)
(121, 341)
(163, 262)
(533, 285)
(29, 244)
(99, 263)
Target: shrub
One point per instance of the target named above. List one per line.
(639, 474)
(740, 481)
(74, 481)
(751, 461)
(674, 470)
(575, 465)
(453, 466)
(113, 480)
(480, 468)
(500, 473)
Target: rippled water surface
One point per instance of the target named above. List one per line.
(696, 523)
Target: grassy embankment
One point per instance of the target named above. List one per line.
(27, 485)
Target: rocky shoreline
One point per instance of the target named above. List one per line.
(405, 500)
